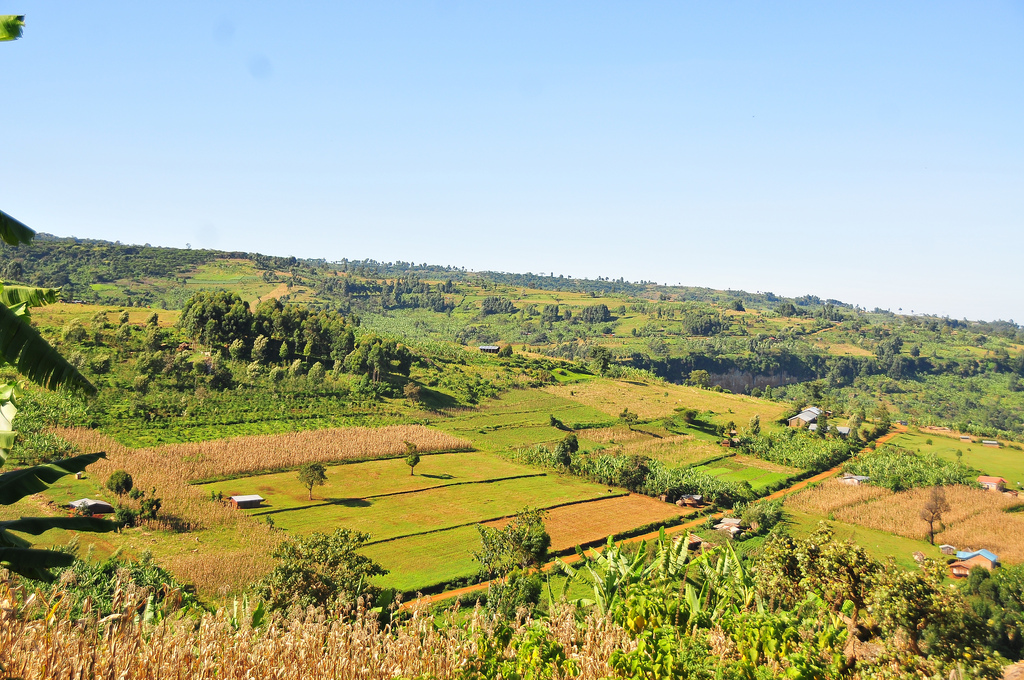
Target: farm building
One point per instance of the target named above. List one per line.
(976, 558)
(690, 500)
(992, 483)
(965, 438)
(959, 570)
(490, 349)
(990, 442)
(853, 480)
(730, 525)
(947, 549)
(841, 431)
(91, 506)
(806, 417)
(250, 501)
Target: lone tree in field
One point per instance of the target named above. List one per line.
(565, 448)
(120, 482)
(933, 510)
(413, 459)
(312, 474)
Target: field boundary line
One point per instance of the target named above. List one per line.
(669, 531)
(293, 468)
(492, 519)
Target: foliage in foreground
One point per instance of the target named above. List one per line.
(811, 608)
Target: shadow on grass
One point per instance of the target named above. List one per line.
(444, 476)
(344, 502)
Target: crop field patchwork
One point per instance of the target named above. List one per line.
(572, 525)
(1003, 462)
(673, 450)
(519, 418)
(660, 400)
(976, 518)
(739, 468)
(879, 544)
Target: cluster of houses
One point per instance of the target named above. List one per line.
(809, 418)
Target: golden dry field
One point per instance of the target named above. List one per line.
(976, 519)
(572, 525)
(241, 455)
(659, 400)
(56, 315)
(307, 646)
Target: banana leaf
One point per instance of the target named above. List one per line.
(26, 350)
(37, 525)
(12, 232)
(34, 563)
(20, 483)
(34, 297)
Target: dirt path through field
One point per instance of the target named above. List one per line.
(669, 531)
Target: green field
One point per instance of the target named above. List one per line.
(421, 561)
(372, 478)
(1003, 462)
(735, 470)
(356, 495)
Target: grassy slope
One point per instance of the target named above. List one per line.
(1002, 462)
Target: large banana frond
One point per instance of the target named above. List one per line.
(10, 29)
(34, 563)
(20, 483)
(23, 347)
(37, 525)
(13, 232)
(33, 297)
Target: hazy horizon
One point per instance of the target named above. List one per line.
(871, 154)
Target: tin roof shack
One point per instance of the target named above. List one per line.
(690, 500)
(992, 483)
(967, 560)
(91, 506)
(806, 417)
(947, 549)
(990, 442)
(853, 480)
(490, 349)
(730, 525)
(250, 501)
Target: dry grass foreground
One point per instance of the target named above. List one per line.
(187, 508)
(976, 519)
(572, 525)
(659, 400)
(307, 646)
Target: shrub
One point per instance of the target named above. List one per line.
(120, 482)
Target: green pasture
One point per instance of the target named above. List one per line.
(879, 544)
(732, 470)
(372, 478)
(417, 562)
(386, 517)
(1003, 462)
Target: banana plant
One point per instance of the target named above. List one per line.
(10, 29)
(24, 348)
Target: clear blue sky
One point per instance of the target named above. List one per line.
(870, 152)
